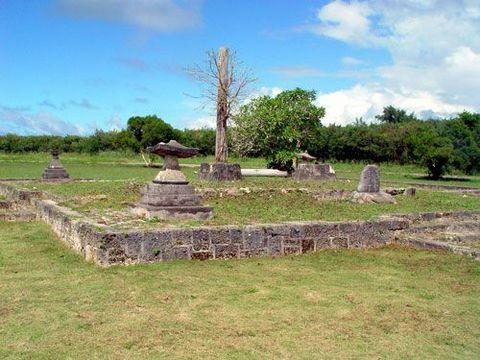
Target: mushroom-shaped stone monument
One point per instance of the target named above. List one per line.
(170, 152)
(308, 169)
(368, 190)
(169, 195)
(55, 171)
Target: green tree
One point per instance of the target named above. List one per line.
(150, 130)
(277, 127)
(394, 115)
(431, 149)
(203, 139)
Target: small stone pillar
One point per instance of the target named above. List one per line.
(169, 195)
(369, 180)
(368, 190)
(220, 172)
(307, 169)
(55, 171)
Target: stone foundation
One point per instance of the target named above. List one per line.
(220, 172)
(105, 246)
(308, 171)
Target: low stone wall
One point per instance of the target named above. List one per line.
(106, 247)
(254, 240)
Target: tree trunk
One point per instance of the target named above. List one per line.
(222, 107)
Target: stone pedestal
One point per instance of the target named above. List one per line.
(309, 171)
(170, 196)
(368, 190)
(220, 172)
(55, 171)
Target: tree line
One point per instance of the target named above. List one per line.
(278, 127)
(141, 132)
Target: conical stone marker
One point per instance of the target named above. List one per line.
(55, 171)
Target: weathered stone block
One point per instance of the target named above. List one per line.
(288, 250)
(297, 230)
(254, 238)
(201, 239)
(274, 245)
(323, 243)
(226, 251)
(277, 230)
(314, 172)
(320, 230)
(220, 172)
(202, 255)
(154, 244)
(308, 245)
(220, 235)
(236, 236)
(182, 252)
(369, 180)
(181, 236)
(339, 242)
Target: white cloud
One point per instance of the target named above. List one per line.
(344, 106)
(265, 90)
(435, 55)
(22, 122)
(346, 21)
(156, 15)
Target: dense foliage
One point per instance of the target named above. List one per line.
(277, 127)
(439, 145)
(140, 133)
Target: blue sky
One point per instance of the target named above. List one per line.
(70, 66)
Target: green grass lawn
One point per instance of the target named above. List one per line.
(390, 303)
(265, 208)
(119, 180)
(122, 166)
(108, 201)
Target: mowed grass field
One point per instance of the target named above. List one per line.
(393, 303)
(118, 181)
(111, 166)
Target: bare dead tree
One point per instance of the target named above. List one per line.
(224, 80)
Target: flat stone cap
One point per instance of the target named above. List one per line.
(173, 148)
(305, 156)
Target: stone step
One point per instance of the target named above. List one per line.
(444, 226)
(453, 237)
(440, 245)
(459, 234)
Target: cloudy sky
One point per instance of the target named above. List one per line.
(71, 66)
